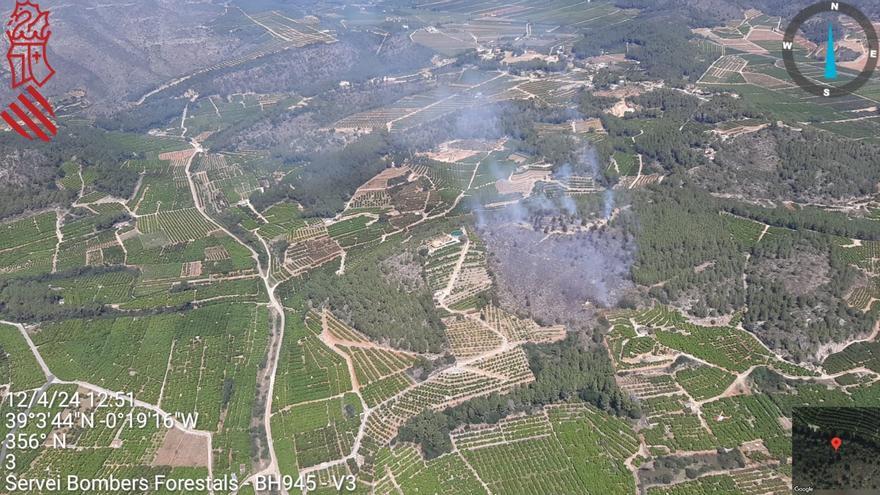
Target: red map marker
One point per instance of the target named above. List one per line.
(835, 443)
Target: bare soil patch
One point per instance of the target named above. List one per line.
(761, 34)
(521, 183)
(380, 181)
(182, 449)
(191, 269)
(765, 81)
(450, 155)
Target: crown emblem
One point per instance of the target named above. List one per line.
(28, 33)
(28, 24)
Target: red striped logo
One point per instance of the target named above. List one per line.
(30, 115)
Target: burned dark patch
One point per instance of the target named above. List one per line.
(801, 273)
(404, 270)
(555, 278)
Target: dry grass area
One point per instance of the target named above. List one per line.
(631, 182)
(462, 149)
(510, 58)
(203, 136)
(380, 181)
(609, 59)
(450, 155)
(739, 130)
(191, 269)
(625, 91)
(182, 449)
(522, 183)
(587, 125)
(740, 44)
(478, 145)
(764, 34)
(620, 109)
(765, 81)
(177, 158)
(298, 32)
(858, 47)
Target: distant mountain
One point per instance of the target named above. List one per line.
(115, 52)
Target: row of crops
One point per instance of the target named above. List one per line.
(18, 366)
(177, 226)
(544, 453)
(27, 245)
(317, 432)
(308, 369)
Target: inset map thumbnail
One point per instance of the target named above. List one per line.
(850, 465)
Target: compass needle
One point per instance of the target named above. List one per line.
(830, 61)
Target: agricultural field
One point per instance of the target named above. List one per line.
(171, 227)
(417, 110)
(377, 389)
(358, 229)
(858, 355)
(308, 370)
(726, 70)
(472, 278)
(705, 485)
(517, 329)
(215, 113)
(695, 390)
(743, 230)
(283, 220)
(741, 419)
(703, 382)
(494, 16)
(404, 466)
(107, 288)
(28, 245)
(19, 369)
(310, 253)
(505, 456)
(296, 32)
(730, 349)
(468, 337)
(153, 359)
(318, 431)
(221, 181)
(759, 77)
(554, 439)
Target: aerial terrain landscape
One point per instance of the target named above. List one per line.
(443, 247)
